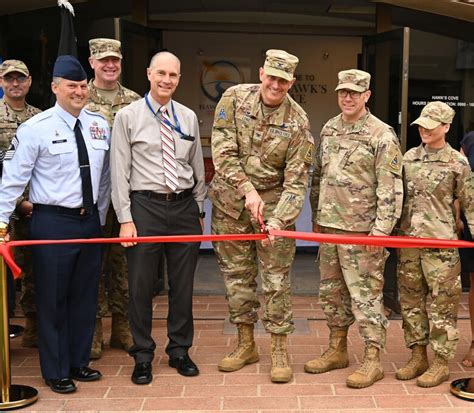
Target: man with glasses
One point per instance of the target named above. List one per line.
(15, 81)
(158, 189)
(357, 190)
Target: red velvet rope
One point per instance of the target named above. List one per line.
(381, 241)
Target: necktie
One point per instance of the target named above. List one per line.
(87, 197)
(169, 155)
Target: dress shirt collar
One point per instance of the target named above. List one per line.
(68, 118)
(156, 106)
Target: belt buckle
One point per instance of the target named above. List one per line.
(82, 212)
(169, 196)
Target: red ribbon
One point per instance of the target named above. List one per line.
(381, 241)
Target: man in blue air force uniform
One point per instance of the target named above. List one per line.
(64, 153)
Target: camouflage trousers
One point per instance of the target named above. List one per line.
(113, 284)
(351, 288)
(436, 272)
(24, 258)
(240, 262)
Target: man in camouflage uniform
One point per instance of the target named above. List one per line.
(356, 190)
(434, 176)
(107, 96)
(262, 149)
(16, 83)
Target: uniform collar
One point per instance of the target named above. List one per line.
(68, 118)
(443, 155)
(354, 127)
(95, 97)
(277, 117)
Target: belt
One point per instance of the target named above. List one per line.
(171, 196)
(61, 210)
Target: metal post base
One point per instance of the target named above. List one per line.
(15, 330)
(463, 388)
(20, 396)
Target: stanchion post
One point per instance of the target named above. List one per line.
(13, 396)
(4, 334)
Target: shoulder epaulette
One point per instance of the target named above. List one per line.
(38, 118)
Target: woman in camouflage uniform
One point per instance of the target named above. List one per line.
(435, 175)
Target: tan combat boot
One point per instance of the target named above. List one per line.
(417, 364)
(281, 371)
(97, 341)
(369, 372)
(436, 374)
(121, 336)
(335, 357)
(244, 353)
(30, 334)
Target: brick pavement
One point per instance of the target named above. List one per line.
(250, 389)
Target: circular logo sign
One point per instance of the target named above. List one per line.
(217, 77)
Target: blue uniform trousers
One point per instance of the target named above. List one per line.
(66, 280)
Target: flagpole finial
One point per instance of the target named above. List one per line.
(66, 5)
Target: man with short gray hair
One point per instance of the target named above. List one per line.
(357, 190)
(158, 189)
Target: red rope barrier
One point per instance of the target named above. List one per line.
(381, 241)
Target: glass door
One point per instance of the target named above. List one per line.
(139, 44)
(386, 57)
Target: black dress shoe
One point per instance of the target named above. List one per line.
(85, 374)
(64, 385)
(184, 365)
(142, 373)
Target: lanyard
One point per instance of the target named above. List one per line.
(161, 118)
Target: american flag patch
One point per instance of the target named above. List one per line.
(6, 156)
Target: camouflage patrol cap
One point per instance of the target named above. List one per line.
(280, 64)
(353, 79)
(9, 66)
(100, 48)
(434, 114)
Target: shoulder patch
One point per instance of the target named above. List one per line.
(222, 115)
(309, 156)
(8, 154)
(395, 163)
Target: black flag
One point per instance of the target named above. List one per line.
(67, 40)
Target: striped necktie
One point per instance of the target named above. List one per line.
(169, 154)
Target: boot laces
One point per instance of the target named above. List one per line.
(241, 348)
(279, 357)
(328, 353)
(437, 364)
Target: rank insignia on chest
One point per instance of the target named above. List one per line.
(97, 132)
(222, 115)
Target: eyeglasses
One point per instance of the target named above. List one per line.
(352, 93)
(11, 79)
